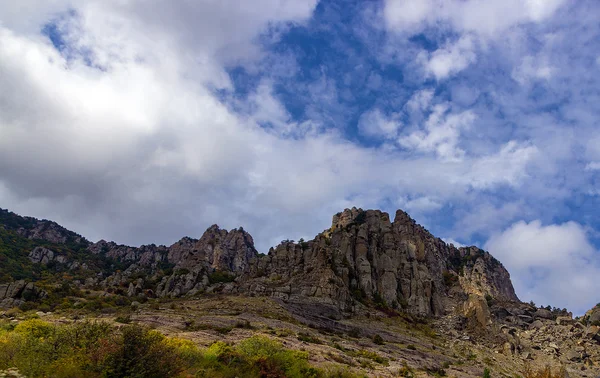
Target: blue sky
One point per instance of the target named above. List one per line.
(146, 121)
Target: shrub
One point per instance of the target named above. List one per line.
(406, 371)
(256, 357)
(220, 277)
(123, 319)
(378, 340)
(449, 279)
(545, 373)
(140, 352)
(486, 373)
(308, 338)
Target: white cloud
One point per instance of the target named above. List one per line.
(486, 18)
(441, 133)
(507, 166)
(454, 242)
(374, 123)
(419, 205)
(449, 60)
(532, 69)
(420, 100)
(550, 264)
(593, 166)
(484, 217)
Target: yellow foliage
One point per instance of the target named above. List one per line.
(35, 327)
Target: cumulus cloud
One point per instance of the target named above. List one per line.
(374, 123)
(532, 69)
(549, 264)
(452, 58)
(441, 133)
(483, 17)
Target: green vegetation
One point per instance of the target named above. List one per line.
(35, 348)
(545, 373)
(373, 356)
(308, 338)
(406, 371)
(378, 340)
(220, 277)
(486, 373)
(449, 279)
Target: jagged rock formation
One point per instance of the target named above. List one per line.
(15, 293)
(364, 261)
(363, 258)
(32, 228)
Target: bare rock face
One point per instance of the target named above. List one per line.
(364, 257)
(222, 253)
(41, 255)
(16, 292)
(146, 255)
(593, 316)
(225, 251)
(476, 310)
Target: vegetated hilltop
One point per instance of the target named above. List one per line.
(392, 281)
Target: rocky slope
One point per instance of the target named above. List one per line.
(363, 258)
(364, 262)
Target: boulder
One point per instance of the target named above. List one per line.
(564, 320)
(537, 324)
(41, 255)
(542, 313)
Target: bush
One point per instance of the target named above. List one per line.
(140, 352)
(308, 338)
(220, 277)
(35, 349)
(486, 373)
(449, 279)
(378, 340)
(545, 373)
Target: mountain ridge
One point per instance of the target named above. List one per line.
(363, 268)
(351, 262)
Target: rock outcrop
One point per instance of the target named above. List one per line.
(15, 293)
(364, 258)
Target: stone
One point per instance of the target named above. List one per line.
(571, 356)
(542, 313)
(41, 255)
(537, 324)
(564, 320)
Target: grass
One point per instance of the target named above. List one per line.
(545, 373)
(36, 348)
(369, 355)
(308, 338)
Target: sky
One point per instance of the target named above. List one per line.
(142, 121)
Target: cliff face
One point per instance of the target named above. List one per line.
(364, 258)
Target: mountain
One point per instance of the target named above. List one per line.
(362, 258)
(364, 262)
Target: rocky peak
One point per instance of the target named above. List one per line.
(33, 228)
(228, 251)
(365, 258)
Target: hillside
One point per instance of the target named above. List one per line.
(369, 294)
